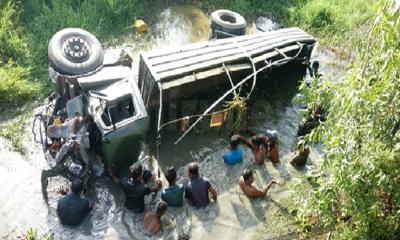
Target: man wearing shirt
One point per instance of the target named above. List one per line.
(135, 189)
(173, 194)
(197, 188)
(72, 209)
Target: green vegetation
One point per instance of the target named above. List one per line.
(14, 85)
(13, 131)
(332, 21)
(27, 26)
(32, 234)
(355, 192)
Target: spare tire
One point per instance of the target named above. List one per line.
(74, 51)
(227, 21)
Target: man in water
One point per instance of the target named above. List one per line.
(246, 184)
(235, 154)
(72, 149)
(152, 220)
(197, 188)
(301, 155)
(272, 146)
(135, 189)
(173, 195)
(72, 209)
(265, 146)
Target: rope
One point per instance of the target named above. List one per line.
(277, 63)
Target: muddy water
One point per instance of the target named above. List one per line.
(232, 217)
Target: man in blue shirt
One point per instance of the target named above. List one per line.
(72, 209)
(235, 155)
(172, 195)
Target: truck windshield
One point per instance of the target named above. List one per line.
(116, 112)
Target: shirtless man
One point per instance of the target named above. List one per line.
(151, 220)
(246, 184)
(265, 146)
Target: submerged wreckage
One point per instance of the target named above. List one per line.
(100, 105)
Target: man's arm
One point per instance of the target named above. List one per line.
(246, 142)
(213, 192)
(253, 192)
(268, 186)
(157, 187)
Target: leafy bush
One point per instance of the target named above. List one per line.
(12, 41)
(13, 131)
(15, 87)
(357, 191)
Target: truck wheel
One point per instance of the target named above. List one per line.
(227, 21)
(74, 51)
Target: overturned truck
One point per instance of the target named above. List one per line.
(102, 103)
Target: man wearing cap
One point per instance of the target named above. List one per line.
(246, 184)
(135, 189)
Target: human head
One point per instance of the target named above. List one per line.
(301, 144)
(136, 170)
(248, 175)
(234, 141)
(193, 169)
(315, 65)
(171, 175)
(272, 136)
(161, 208)
(77, 187)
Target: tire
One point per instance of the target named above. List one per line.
(74, 51)
(227, 21)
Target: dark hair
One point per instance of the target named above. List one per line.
(183, 236)
(194, 168)
(136, 170)
(315, 65)
(77, 186)
(247, 173)
(147, 175)
(161, 208)
(171, 175)
(234, 141)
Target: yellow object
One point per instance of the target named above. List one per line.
(140, 26)
(57, 121)
(218, 118)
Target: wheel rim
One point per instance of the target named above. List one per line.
(76, 49)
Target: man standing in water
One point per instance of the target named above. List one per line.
(72, 209)
(246, 184)
(265, 146)
(173, 195)
(197, 188)
(135, 189)
(272, 143)
(152, 220)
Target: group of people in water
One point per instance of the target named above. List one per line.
(197, 189)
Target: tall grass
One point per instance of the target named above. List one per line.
(332, 21)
